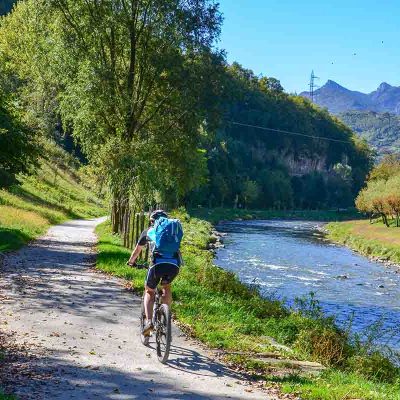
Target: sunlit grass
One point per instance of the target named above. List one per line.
(51, 196)
(338, 385)
(375, 239)
(215, 307)
(215, 215)
(6, 396)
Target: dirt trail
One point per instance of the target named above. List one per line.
(81, 331)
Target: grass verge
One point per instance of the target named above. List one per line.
(6, 396)
(52, 195)
(212, 305)
(214, 215)
(372, 240)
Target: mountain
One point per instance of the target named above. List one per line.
(381, 130)
(338, 99)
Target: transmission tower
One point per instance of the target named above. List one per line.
(313, 86)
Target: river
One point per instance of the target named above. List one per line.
(289, 259)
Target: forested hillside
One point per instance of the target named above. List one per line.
(252, 167)
(158, 117)
(380, 130)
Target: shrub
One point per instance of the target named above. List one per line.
(323, 344)
(374, 366)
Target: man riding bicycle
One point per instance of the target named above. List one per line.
(163, 238)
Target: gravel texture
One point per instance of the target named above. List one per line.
(69, 332)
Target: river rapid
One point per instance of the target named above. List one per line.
(289, 259)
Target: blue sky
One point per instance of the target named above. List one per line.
(287, 39)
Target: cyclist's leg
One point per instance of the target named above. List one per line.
(149, 302)
(167, 294)
(150, 291)
(169, 274)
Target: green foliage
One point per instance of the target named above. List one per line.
(380, 130)
(18, 151)
(6, 396)
(323, 344)
(374, 366)
(53, 194)
(216, 215)
(142, 88)
(213, 305)
(338, 385)
(134, 82)
(381, 195)
(278, 170)
(368, 239)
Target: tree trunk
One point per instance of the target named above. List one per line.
(116, 216)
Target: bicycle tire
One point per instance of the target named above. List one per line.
(143, 339)
(163, 332)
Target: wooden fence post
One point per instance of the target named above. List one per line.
(137, 227)
(133, 236)
(128, 228)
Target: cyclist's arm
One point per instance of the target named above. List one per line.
(135, 254)
(139, 247)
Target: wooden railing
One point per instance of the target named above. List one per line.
(129, 222)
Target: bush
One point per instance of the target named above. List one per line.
(374, 366)
(323, 344)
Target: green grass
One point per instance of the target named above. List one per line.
(338, 385)
(212, 305)
(6, 396)
(214, 215)
(373, 240)
(51, 196)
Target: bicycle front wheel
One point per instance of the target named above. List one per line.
(163, 333)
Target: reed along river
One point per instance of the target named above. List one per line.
(289, 259)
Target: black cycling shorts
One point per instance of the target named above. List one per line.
(163, 272)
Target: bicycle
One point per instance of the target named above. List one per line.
(161, 321)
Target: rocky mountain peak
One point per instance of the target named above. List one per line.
(332, 85)
(338, 99)
(384, 86)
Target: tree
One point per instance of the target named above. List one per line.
(389, 166)
(251, 192)
(132, 79)
(381, 195)
(271, 84)
(18, 149)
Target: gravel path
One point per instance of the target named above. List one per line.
(74, 332)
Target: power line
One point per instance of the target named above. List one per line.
(290, 133)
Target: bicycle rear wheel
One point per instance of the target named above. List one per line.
(163, 333)
(143, 339)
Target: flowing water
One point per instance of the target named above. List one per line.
(290, 259)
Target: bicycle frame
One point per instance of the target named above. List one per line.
(161, 319)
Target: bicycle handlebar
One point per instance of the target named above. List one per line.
(138, 266)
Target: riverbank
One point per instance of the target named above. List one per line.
(375, 240)
(215, 215)
(213, 306)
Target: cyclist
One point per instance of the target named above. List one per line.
(163, 267)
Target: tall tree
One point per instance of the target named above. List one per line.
(133, 79)
(18, 149)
